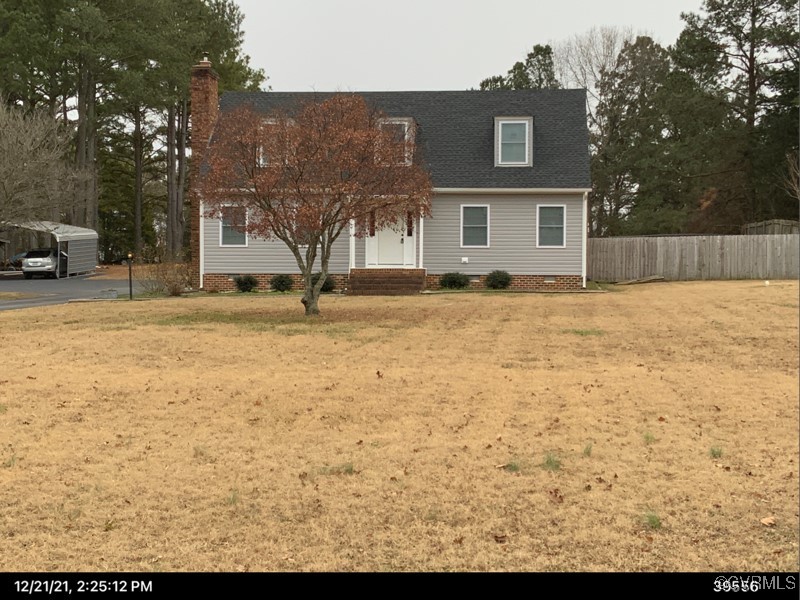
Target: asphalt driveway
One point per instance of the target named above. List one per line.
(43, 292)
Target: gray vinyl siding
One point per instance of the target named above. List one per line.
(263, 256)
(82, 256)
(512, 236)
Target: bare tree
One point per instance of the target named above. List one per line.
(581, 59)
(303, 177)
(36, 179)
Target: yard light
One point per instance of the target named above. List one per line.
(130, 275)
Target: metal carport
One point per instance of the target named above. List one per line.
(78, 243)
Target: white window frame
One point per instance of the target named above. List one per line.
(563, 226)
(488, 224)
(262, 160)
(246, 222)
(498, 135)
(408, 124)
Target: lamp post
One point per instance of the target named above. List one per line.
(130, 275)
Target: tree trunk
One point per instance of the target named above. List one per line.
(752, 107)
(80, 151)
(137, 195)
(183, 127)
(172, 196)
(92, 197)
(311, 294)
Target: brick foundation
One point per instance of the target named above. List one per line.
(523, 283)
(223, 282)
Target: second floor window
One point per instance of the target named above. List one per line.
(513, 141)
(400, 134)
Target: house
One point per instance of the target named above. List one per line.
(510, 171)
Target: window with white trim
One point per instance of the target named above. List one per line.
(401, 132)
(513, 141)
(550, 225)
(232, 224)
(474, 226)
(268, 128)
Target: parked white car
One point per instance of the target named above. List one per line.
(43, 261)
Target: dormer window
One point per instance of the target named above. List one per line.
(268, 128)
(513, 137)
(400, 131)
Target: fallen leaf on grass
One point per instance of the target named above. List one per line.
(500, 539)
(768, 521)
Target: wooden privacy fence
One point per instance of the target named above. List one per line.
(695, 257)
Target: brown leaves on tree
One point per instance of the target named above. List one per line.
(303, 175)
(304, 171)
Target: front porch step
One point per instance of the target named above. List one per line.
(386, 282)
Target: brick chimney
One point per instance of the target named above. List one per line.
(204, 109)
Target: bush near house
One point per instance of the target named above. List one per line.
(498, 280)
(281, 283)
(454, 281)
(328, 286)
(245, 283)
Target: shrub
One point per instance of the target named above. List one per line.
(327, 286)
(163, 277)
(498, 280)
(454, 281)
(281, 283)
(245, 283)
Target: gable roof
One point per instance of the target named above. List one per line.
(455, 132)
(61, 231)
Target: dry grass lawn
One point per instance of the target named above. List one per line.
(646, 429)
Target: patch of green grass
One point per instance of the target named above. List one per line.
(649, 438)
(587, 449)
(551, 462)
(651, 520)
(715, 452)
(233, 498)
(604, 286)
(282, 324)
(201, 453)
(110, 525)
(10, 462)
(513, 466)
(343, 469)
(584, 332)
(3, 408)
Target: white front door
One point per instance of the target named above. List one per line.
(390, 244)
(391, 248)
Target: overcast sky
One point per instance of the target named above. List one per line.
(367, 45)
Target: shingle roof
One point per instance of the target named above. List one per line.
(455, 132)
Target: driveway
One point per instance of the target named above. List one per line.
(43, 292)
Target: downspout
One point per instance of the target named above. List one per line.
(421, 241)
(352, 244)
(201, 233)
(585, 236)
